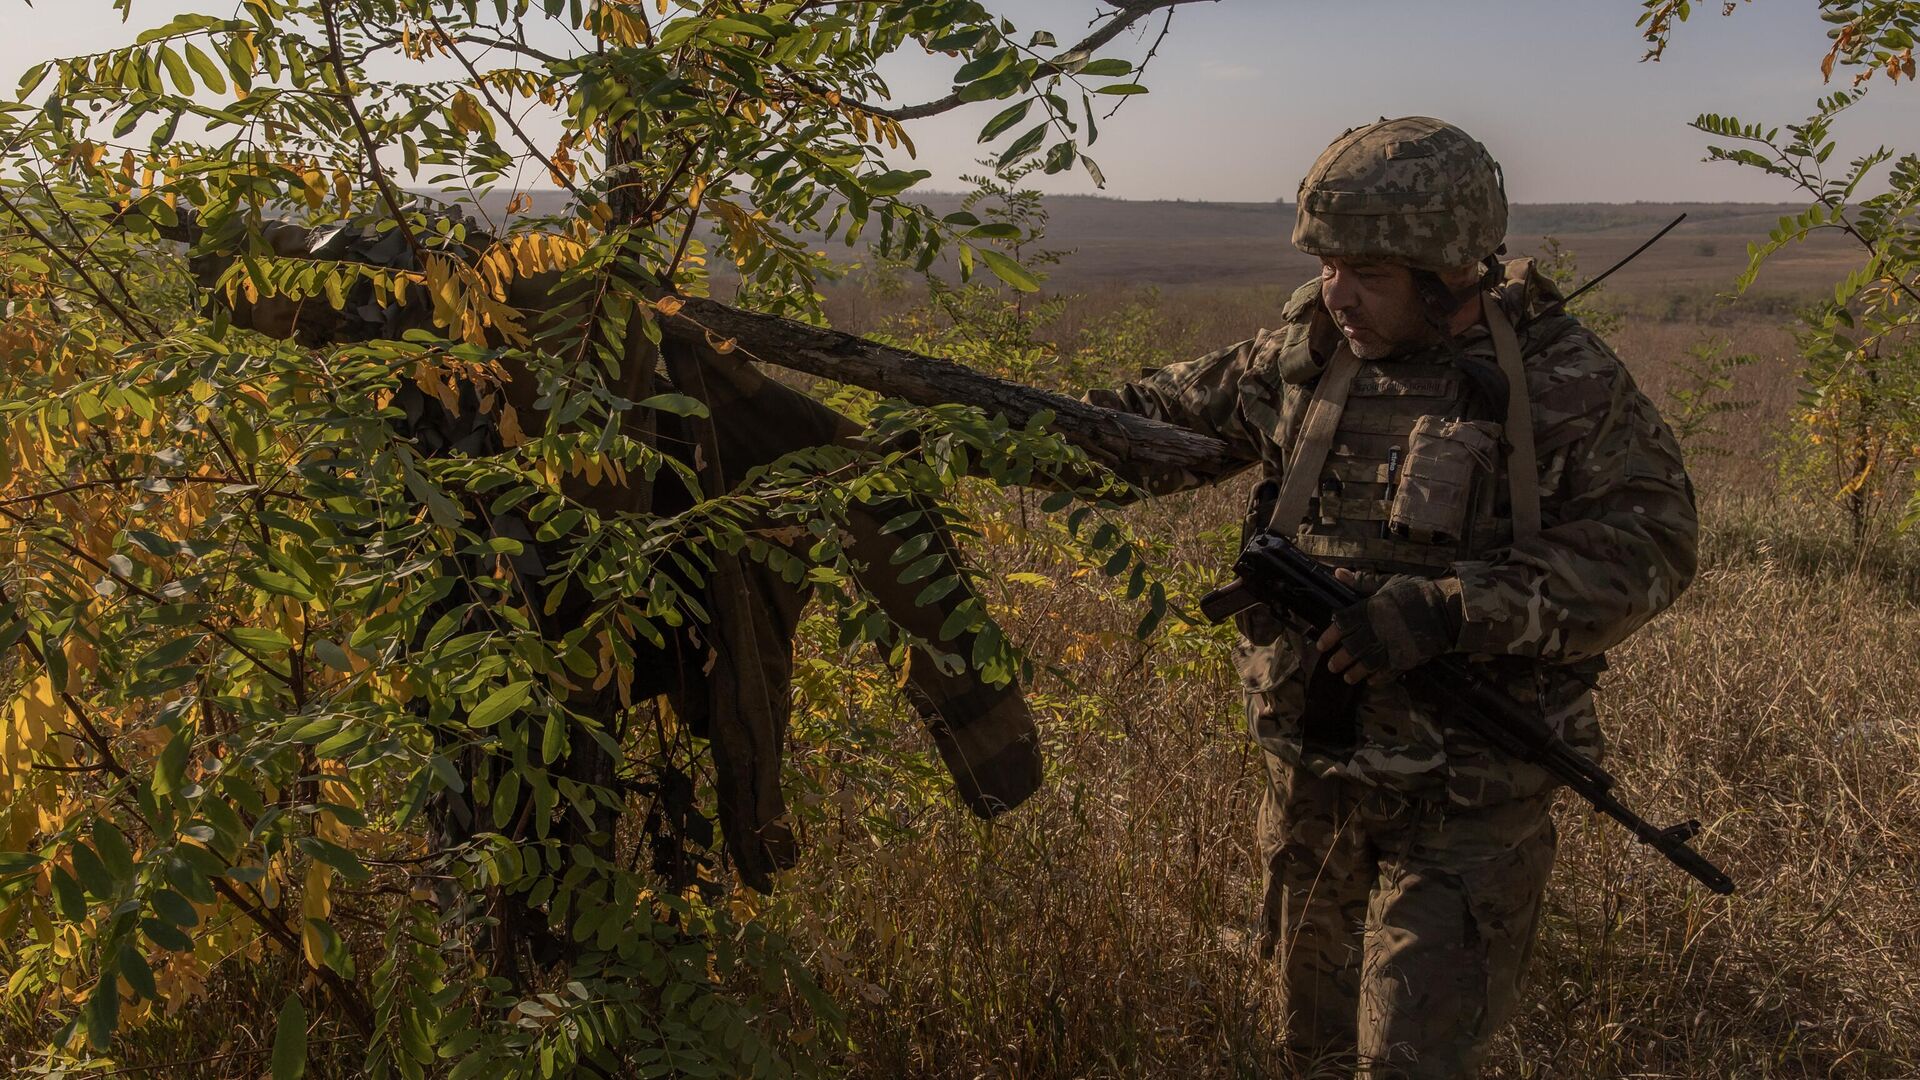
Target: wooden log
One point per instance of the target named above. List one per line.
(1115, 438)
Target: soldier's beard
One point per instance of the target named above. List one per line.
(1370, 347)
(1377, 346)
(1377, 350)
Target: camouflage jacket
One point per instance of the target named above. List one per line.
(1617, 542)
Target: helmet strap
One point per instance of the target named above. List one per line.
(1438, 302)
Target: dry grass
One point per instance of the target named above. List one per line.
(1102, 929)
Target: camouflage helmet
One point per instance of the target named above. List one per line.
(1414, 190)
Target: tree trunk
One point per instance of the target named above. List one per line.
(1115, 438)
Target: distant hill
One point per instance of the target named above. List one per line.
(1176, 243)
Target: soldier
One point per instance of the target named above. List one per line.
(1433, 424)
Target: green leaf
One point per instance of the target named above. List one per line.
(177, 70)
(937, 591)
(335, 856)
(174, 908)
(1106, 67)
(290, 1040)
(275, 582)
(260, 640)
(333, 949)
(68, 896)
(677, 404)
(91, 871)
(114, 849)
(18, 862)
(138, 973)
(1006, 119)
(103, 1011)
(923, 568)
(961, 618)
(553, 740)
(984, 67)
(332, 655)
(1025, 144)
(171, 770)
(446, 513)
(892, 182)
(1009, 271)
(32, 79)
(208, 71)
(500, 704)
(1121, 89)
(166, 935)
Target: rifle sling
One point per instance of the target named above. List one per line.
(1316, 439)
(1523, 467)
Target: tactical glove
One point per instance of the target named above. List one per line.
(1405, 623)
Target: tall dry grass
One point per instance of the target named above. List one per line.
(1102, 930)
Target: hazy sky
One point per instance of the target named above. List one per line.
(1246, 92)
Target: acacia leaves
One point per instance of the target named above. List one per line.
(313, 632)
(1862, 362)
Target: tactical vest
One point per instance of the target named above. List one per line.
(1349, 517)
(1396, 464)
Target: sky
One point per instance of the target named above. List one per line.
(1245, 93)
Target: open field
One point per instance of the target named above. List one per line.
(1211, 245)
(1117, 242)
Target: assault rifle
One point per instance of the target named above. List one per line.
(1272, 571)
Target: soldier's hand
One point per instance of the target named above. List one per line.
(1403, 624)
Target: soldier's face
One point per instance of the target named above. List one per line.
(1375, 305)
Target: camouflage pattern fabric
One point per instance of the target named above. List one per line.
(1402, 927)
(1414, 190)
(1616, 547)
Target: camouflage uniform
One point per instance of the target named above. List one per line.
(1404, 858)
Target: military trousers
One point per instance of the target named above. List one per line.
(1401, 928)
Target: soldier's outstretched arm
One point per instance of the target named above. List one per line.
(1201, 395)
(1619, 529)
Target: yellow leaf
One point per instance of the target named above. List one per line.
(316, 902)
(33, 719)
(467, 114)
(669, 305)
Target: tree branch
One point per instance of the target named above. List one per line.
(505, 114)
(1116, 438)
(1124, 15)
(337, 60)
